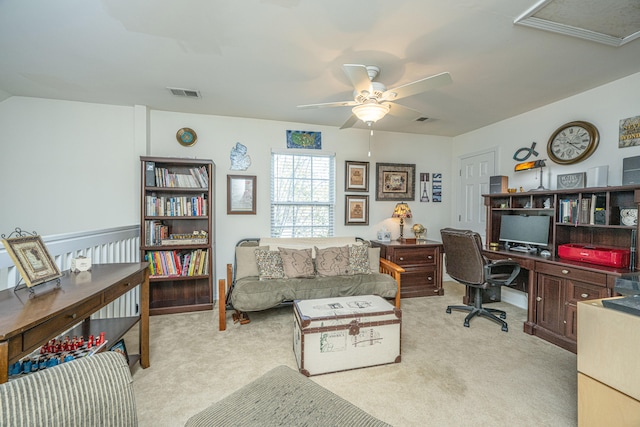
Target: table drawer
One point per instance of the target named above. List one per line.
(583, 292)
(422, 256)
(37, 336)
(123, 287)
(572, 273)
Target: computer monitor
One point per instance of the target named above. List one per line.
(525, 231)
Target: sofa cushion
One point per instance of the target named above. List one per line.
(359, 259)
(246, 264)
(374, 259)
(252, 294)
(297, 262)
(269, 264)
(333, 261)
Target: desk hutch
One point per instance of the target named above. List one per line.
(555, 285)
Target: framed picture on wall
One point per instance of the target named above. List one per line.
(241, 194)
(356, 209)
(356, 176)
(395, 181)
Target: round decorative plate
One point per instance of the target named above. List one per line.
(186, 137)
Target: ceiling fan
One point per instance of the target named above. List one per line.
(372, 100)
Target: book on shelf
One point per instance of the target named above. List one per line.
(169, 242)
(197, 177)
(177, 206)
(178, 263)
(568, 211)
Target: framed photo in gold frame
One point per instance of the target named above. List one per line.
(32, 259)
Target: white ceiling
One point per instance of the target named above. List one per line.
(262, 58)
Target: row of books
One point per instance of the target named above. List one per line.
(178, 263)
(157, 233)
(177, 206)
(581, 211)
(197, 177)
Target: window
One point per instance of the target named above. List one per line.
(302, 195)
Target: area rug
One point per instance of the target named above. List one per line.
(283, 397)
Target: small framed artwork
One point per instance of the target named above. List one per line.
(119, 347)
(303, 139)
(32, 259)
(395, 181)
(356, 210)
(572, 180)
(241, 195)
(356, 176)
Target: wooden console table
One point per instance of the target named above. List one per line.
(27, 323)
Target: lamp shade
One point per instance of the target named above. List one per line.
(370, 112)
(402, 210)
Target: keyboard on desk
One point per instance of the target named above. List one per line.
(630, 304)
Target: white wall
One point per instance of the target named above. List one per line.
(66, 166)
(71, 167)
(218, 135)
(603, 106)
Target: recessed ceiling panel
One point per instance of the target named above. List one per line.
(612, 22)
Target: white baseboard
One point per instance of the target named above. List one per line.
(513, 297)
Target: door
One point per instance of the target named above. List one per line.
(475, 171)
(550, 307)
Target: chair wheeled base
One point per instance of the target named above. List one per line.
(478, 310)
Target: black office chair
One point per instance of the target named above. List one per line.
(466, 264)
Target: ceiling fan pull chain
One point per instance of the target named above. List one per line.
(370, 135)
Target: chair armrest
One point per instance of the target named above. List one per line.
(394, 270)
(488, 271)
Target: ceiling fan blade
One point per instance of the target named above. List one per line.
(403, 112)
(418, 86)
(359, 77)
(350, 122)
(329, 104)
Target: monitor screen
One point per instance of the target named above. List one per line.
(525, 229)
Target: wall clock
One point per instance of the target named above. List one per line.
(573, 142)
(186, 137)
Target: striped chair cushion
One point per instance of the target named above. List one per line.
(92, 391)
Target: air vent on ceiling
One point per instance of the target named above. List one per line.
(422, 119)
(187, 93)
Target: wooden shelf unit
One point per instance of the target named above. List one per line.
(185, 210)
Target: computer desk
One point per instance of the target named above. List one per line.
(554, 286)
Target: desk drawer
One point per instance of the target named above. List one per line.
(583, 292)
(37, 336)
(421, 256)
(572, 273)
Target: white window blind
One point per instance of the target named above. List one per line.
(302, 194)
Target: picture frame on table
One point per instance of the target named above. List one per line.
(395, 181)
(356, 176)
(356, 210)
(32, 259)
(572, 180)
(121, 348)
(241, 194)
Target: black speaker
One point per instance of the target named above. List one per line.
(631, 170)
(498, 184)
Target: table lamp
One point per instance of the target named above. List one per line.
(402, 211)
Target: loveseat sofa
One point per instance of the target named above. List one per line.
(268, 272)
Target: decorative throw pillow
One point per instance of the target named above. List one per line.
(297, 262)
(332, 261)
(374, 259)
(269, 264)
(359, 259)
(246, 264)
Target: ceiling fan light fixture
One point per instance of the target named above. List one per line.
(371, 112)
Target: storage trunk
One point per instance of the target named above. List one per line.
(337, 334)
